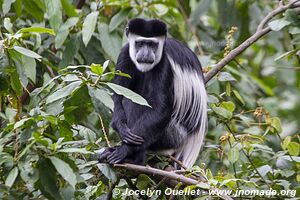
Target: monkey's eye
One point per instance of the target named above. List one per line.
(139, 44)
(152, 45)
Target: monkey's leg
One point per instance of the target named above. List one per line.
(129, 153)
(137, 157)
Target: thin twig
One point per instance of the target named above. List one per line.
(257, 35)
(177, 161)
(111, 188)
(191, 27)
(103, 130)
(233, 165)
(248, 157)
(281, 8)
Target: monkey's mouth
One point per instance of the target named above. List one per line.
(149, 62)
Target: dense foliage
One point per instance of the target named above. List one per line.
(57, 58)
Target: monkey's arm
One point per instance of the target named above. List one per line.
(119, 121)
(154, 120)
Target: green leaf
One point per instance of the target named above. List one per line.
(107, 171)
(75, 110)
(63, 92)
(222, 112)
(27, 52)
(160, 9)
(144, 182)
(111, 42)
(13, 174)
(238, 96)
(20, 123)
(71, 50)
(29, 65)
(228, 89)
(16, 83)
(17, 58)
(233, 155)
(293, 17)
(212, 99)
(63, 31)
(275, 123)
(18, 7)
(75, 150)
(254, 130)
(136, 98)
(203, 185)
(118, 18)
(7, 24)
(296, 40)
(35, 9)
(278, 24)
(101, 95)
(69, 8)
(89, 25)
(122, 74)
(54, 11)
(286, 54)
(105, 65)
(48, 180)
(294, 30)
(37, 29)
(6, 6)
(293, 148)
(200, 9)
(230, 106)
(286, 142)
(64, 170)
(97, 69)
(263, 170)
(225, 76)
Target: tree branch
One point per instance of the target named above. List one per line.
(261, 31)
(167, 174)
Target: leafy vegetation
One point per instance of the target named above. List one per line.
(56, 62)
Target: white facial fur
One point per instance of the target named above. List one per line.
(145, 67)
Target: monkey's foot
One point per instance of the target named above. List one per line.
(118, 155)
(113, 155)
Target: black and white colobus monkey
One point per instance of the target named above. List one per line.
(168, 75)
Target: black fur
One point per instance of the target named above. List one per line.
(142, 128)
(156, 86)
(147, 28)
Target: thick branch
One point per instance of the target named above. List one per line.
(154, 171)
(166, 174)
(257, 35)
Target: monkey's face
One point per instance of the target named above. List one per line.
(145, 52)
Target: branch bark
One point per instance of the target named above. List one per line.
(167, 174)
(261, 31)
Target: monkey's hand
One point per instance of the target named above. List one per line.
(130, 138)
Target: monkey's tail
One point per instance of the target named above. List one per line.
(190, 110)
(189, 151)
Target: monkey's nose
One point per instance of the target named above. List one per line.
(145, 60)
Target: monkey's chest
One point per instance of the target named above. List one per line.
(133, 110)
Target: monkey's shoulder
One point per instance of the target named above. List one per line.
(181, 54)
